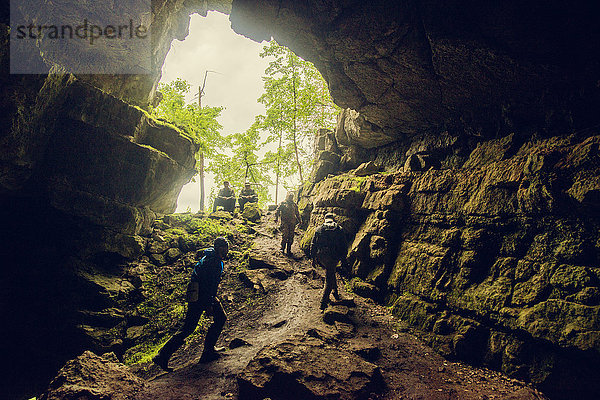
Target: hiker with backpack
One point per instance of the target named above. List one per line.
(328, 248)
(201, 297)
(290, 217)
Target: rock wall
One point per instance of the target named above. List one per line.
(495, 262)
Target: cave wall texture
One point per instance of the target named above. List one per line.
(482, 233)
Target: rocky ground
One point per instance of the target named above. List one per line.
(279, 345)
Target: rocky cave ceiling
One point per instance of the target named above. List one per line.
(421, 66)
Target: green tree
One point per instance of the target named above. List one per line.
(199, 123)
(243, 164)
(297, 103)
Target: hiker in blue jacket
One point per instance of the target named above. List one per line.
(207, 273)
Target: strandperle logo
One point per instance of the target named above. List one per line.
(98, 37)
(84, 31)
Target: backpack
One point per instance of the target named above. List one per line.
(329, 238)
(201, 275)
(287, 212)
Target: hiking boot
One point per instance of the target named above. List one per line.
(209, 356)
(162, 363)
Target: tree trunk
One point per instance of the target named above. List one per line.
(295, 116)
(201, 173)
(278, 167)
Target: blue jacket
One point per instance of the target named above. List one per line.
(207, 272)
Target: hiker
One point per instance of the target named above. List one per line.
(225, 198)
(201, 297)
(328, 248)
(290, 217)
(247, 195)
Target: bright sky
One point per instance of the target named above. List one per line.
(212, 45)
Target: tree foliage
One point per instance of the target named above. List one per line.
(200, 125)
(243, 164)
(297, 103)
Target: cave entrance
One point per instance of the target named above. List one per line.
(235, 84)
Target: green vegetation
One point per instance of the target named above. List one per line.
(297, 103)
(165, 287)
(243, 164)
(198, 123)
(278, 146)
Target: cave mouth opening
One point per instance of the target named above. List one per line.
(229, 68)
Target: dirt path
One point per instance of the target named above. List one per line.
(289, 308)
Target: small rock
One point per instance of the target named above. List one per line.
(344, 302)
(279, 324)
(336, 313)
(237, 342)
(135, 332)
(158, 247)
(313, 369)
(173, 254)
(370, 352)
(251, 212)
(90, 373)
(220, 215)
(158, 259)
(344, 329)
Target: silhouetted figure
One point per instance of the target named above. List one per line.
(290, 217)
(202, 296)
(328, 248)
(225, 198)
(247, 195)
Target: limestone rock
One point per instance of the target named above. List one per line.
(173, 254)
(308, 369)
(252, 212)
(337, 313)
(92, 375)
(262, 280)
(220, 214)
(365, 289)
(366, 169)
(352, 128)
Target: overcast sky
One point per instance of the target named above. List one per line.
(212, 45)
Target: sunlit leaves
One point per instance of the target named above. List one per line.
(200, 125)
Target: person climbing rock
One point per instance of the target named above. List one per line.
(328, 248)
(225, 198)
(201, 296)
(247, 195)
(290, 217)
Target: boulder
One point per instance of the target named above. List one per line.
(308, 369)
(92, 376)
(220, 214)
(365, 169)
(252, 212)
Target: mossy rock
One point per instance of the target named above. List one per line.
(365, 289)
(221, 215)
(252, 212)
(307, 239)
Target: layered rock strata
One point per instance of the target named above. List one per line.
(495, 262)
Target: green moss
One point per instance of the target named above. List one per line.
(176, 232)
(307, 239)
